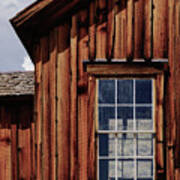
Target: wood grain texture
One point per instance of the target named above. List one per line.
(52, 101)
(110, 29)
(14, 151)
(120, 30)
(38, 107)
(91, 129)
(5, 144)
(101, 30)
(83, 53)
(177, 83)
(147, 40)
(130, 28)
(92, 30)
(24, 143)
(63, 103)
(138, 28)
(160, 163)
(45, 109)
(160, 31)
(74, 108)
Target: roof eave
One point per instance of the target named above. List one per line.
(32, 19)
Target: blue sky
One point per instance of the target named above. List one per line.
(13, 56)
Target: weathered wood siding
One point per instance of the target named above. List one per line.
(17, 145)
(104, 30)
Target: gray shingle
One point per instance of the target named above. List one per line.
(17, 83)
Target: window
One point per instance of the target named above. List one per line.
(126, 121)
(125, 132)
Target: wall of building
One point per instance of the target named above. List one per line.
(17, 137)
(106, 30)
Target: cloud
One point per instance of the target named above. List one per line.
(12, 52)
(27, 64)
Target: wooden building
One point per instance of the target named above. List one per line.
(107, 88)
(16, 125)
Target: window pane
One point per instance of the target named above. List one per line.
(125, 145)
(106, 169)
(145, 168)
(106, 118)
(145, 144)
(143, 112)
(125, 118)
(106, 145)
(143, 91)
(125, 91)
(106, 91)
(125, 169)
(144, 124)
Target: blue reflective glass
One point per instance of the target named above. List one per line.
(106, 118)
(106, 169)
(143, 91)
(125, 91)
(143, 112)
(106, 92)
(125, 118)
(107, 145)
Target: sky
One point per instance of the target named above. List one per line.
(13, 56)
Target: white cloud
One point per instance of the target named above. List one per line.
(27, 64)
(11, 49)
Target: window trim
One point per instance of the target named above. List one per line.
(122, 70)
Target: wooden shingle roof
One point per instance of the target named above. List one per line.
(17, 83)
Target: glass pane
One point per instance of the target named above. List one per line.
(143, 91)
(143, 112)
(106, 169)
(125, 118)
(106, 92)
(145, 168)
(145, 144)
(144, 124)
(125, 169)
(125, 91)
(125, 145)
(106, 145)
(106, 118)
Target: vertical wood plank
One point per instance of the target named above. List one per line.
(169, 107)
(160, 31)
(5, 145)
(63, 103)
(92, 30)
(14, 144)
(120, 30)
(46, 109)
(101, 31)
(130, 27)
(52, 102)
(38, 109)
(177, 174)
(176, 82)
(82, 96)
(147, 29)
(24, 143)
(33, 164)
(91, 129)
(160, 126)
(138, 28)
(73, 112)
(110, 28)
